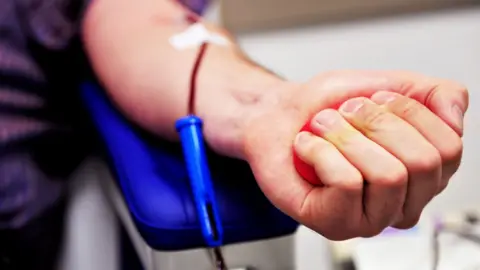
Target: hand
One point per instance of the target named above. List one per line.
(381, 156)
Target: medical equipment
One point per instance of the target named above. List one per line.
(190, 132)
(191, 138)
(196, 35)
(148, 185)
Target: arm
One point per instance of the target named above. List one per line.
(127, 43)
(251, 114)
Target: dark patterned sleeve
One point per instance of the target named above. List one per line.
(197, 6)
(53, 23)
(26, 189)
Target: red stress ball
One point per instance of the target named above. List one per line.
(306, 171)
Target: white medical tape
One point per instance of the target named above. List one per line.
(195, 36)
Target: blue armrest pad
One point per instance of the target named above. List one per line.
(153, 180)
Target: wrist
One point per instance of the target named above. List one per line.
(229, 99)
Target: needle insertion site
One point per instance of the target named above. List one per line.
(190, 132)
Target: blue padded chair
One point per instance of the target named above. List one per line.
(152, 178)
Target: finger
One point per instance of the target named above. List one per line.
(440, 135)
(334, 212)
(403, 141)
(331, 167)
(338, 205)
(384, 194)
(447, 99)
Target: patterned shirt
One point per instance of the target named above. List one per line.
(42, 123)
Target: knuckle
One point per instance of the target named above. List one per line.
(397, 176)
(465, 95)
(409, 108)
(461, 89)
(316, 148)
(427, 161)
(375, 119)
(452, 152)
(347, 138)
(349, 180)
(354, 182)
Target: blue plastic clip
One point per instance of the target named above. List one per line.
(191, 137)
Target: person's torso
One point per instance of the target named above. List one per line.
(38, 74)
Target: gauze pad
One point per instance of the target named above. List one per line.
(196, 35)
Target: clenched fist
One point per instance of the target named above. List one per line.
(381, 144)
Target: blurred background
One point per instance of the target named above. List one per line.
(301, 38)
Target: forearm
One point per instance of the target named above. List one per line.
(128, 45)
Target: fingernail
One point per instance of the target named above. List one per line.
(302, 138)
(384, 97)
(458, 115)
(327, 119)
(352, 106)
